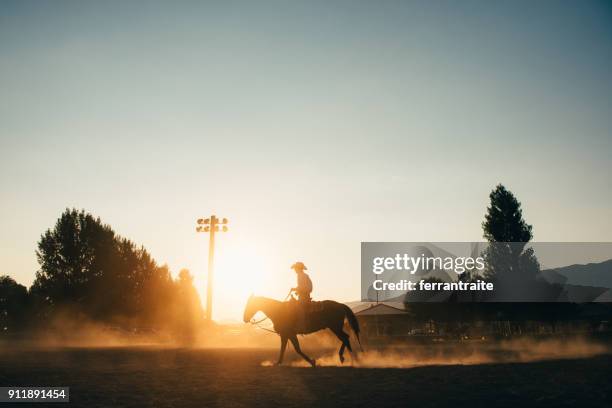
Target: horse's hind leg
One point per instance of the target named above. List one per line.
(346, 343)
(296, 346)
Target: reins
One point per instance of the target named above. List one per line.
(263, 328)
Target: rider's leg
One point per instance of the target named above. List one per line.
(302, 308)
(296, 346)
(301, 318)
(282, 350)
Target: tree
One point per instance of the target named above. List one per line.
(504, 223)
(504, 218)
(188, 303)
(14, 305)
(88, 269)
(76, 259)
(514, 267)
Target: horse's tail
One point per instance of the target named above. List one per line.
(352, 319)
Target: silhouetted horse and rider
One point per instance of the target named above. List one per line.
(303, 316)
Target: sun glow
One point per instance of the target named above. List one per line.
(241, 269)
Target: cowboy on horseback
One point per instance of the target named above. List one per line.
(286, 316)
(282, 315)
(303, 290)
(304, 284)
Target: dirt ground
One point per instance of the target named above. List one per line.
(165, 377)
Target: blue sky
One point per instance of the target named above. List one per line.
(312, 126)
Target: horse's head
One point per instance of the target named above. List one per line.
(250, 309)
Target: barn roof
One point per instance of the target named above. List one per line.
(380, 309)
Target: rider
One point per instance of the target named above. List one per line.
(303, 290)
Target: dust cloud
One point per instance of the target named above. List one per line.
(463, 353)
(69, 330)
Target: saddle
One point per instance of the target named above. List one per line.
(309, 307)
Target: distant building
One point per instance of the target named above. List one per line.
(388, 321)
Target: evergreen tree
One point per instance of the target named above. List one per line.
(515, 268)
(504, 218)
(508, 233)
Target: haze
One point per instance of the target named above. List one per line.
(312, 126)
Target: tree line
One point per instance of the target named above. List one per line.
(87, 271)
(522, 293)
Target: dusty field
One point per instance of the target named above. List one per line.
(137, 377)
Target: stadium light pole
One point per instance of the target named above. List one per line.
(211, 225)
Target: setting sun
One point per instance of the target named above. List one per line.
(241, 269)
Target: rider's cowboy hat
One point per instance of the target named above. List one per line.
(299, 266)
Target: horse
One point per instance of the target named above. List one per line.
(282, 314)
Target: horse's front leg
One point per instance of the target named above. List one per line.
(296, 346)
(282, 350)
